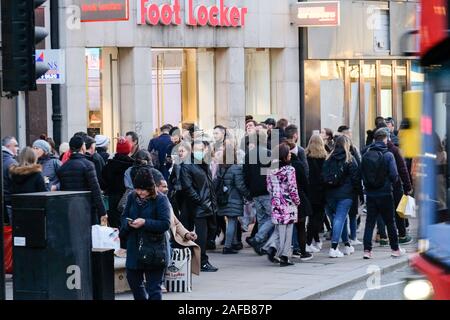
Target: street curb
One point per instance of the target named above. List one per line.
(339, 284)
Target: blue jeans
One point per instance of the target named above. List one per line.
(263, 207)
(338, 210)
(231, 232)
(295, 243)
(353, 215)
(152, 288)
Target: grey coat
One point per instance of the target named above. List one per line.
(234, 181)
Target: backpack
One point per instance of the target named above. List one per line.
(333, 172)
(373, 169)
(222, 191)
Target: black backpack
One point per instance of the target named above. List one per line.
(222, 191)
(333, 172)
(373, 169)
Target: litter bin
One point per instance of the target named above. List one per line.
(52, 246)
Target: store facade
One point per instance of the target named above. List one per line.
(196, 61)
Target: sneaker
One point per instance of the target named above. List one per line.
(348, 250)
(400, 252)
(405, 240)
(208, 267)
(256, 246)
(311, 249)
(367, 254)
(355, 242)
(296, 253)
(226, 250)
(318, 245)
(306, 256)
(285, 262)
(384, 242)
(335, 253)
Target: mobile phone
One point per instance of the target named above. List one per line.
(129, 220)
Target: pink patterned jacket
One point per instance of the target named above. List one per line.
(282, 186)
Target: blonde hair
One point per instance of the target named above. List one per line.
(316, 147)
(27, 157)
(342, 142)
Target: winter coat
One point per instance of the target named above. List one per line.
(8, 161)
(351, 182)
(114, 172)
(27, 179)
(282, 186)
(78, 174)
(254, 179)
(161, 145)
(301, 155)
(99, 164)
(391, 170)
(103, 153)
(317, 187)
(50, 165)
(197, 194)
(131, 173)
(234, 180)
(404, 181)
(156, 213)
(304, 210)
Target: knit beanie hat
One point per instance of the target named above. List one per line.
(144, 180)
(123, 146)
(42, 144)
(101, 141)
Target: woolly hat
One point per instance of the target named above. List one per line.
(42, 144)
(144, 180)
(123, 146)
(101, 141)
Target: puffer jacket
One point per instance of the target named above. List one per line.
(197, 194)
(78, 174)
(282, 187)
(27, 179)
(233, 180)
(351, 183)
(50, 165)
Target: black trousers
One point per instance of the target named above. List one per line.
(400, 222)
(315, 223)
(301, 234)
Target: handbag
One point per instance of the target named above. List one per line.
(152, 250)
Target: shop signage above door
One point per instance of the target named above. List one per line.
(316, 14)
(167, 14)
(104, 10)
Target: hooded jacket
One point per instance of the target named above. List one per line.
(27, 179)
(351, 184)
(391, 170)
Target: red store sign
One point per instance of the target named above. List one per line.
(316, 14)
(170, 14)
(104, 10)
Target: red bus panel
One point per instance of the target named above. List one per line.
(434, 24)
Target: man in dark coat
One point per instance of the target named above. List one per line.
(78, 174)
(9, 151)
(160, 145)
(292, 137)
(95, 158)
(199, 205)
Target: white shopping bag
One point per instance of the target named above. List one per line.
(105, 237)
(410, 209)
(178, 276)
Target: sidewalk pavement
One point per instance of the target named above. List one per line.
(247, 276)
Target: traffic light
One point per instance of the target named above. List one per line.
(19, 39)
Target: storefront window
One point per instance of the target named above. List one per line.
(370, 93)
(354, 101)
(332, 94)
(386, 88)
(402, 86)
(257, 82)
(94, 90)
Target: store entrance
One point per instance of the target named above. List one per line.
(183, 87)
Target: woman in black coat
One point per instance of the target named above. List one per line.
(146, 210)
(27, 176)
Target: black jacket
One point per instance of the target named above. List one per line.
(302, 187)
(103, 153)
(114, 172)
(78, 174)
(198, 195)
(99, 164)
(27, 179)
(301, 155)
(351, 185)
(317, 187)
(254, 168)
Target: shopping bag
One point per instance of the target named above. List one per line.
(105, 237)
(402, 207)
(178, 277)
(7, 243)
(410, 209)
